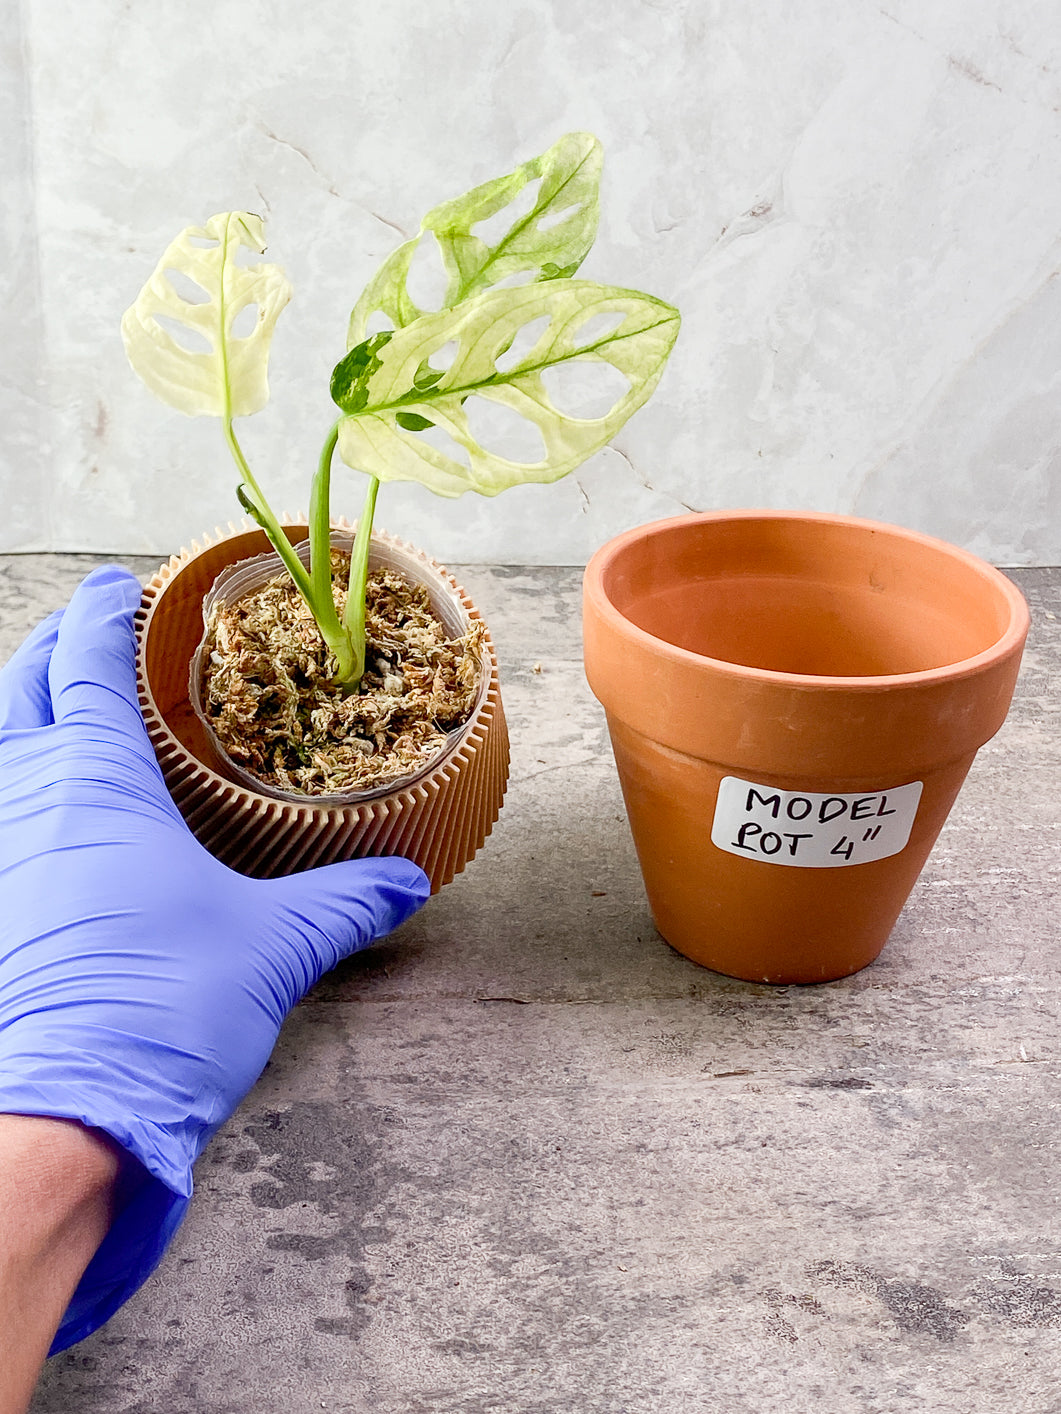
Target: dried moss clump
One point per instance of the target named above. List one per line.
(267, 687)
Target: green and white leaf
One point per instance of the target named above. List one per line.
(567, 203)
(229, 378)
(386, 396)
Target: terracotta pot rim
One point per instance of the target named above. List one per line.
(1008, 642)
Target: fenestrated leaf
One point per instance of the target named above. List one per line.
(230, 375)
(375, 439)
(568, 198)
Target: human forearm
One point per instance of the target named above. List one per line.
(57, 1182)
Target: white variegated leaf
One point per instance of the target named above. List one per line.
(549, 241)
(228, 375)
(381, 386)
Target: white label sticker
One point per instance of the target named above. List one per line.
(812, 831)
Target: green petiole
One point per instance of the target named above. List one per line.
(315, 584)
(252, 500)
(346, 639)
(320, 519)
(354, 613)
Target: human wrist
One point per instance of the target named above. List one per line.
(58, 1181)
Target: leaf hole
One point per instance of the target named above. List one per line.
(503, 432)
(585, 388)
(597, 327)
(192, 341)
(187, 289)
(518, 277)
(203, 242)
(245, 256)
(378, 323)
(439, 439)
(442, 357)
(426, 282)
(245, 322)
(548, 219)
(527, 337)
(493, 229)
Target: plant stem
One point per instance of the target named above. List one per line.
(259, 507)
(320, 602)
(320, 540)
(354, 613)
(250, 493)
(314, 584)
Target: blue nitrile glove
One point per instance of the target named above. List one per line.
(142, 983)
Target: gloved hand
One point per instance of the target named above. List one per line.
(142, 983)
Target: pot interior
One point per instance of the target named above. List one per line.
(821, 597)
(244, 577)
(173, 643)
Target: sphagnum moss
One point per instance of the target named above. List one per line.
(269, 686)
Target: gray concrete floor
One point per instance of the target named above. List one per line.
(524, 1158)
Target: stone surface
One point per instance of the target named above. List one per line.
(855, 207)
(524, 1157)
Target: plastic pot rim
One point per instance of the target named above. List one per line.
(308, 809)
(387, 551)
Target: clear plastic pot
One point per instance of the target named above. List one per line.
(243, 579)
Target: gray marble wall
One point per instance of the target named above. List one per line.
(857, 209)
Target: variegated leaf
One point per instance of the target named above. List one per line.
(391, 392)
(221, 374)
(548, 242)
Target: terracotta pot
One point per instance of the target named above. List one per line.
(794, 701)
(439, 820)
